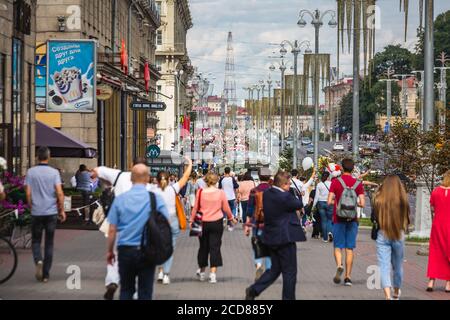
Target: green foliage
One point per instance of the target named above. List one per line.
(287, 159)
(400, 59)
(420, 156)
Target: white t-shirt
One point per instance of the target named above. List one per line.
(322, 192)
(228, 187)
(169, 197)
(124, 183)
(201, 184)
(304, 188)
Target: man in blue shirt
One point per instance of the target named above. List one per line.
(128, 215)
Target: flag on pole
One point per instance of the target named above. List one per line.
(124, 57)
(147, 76)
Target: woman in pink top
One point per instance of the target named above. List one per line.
(212, 203)
(245, 187)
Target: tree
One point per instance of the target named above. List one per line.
(419, 155)
(400, 59)
(287, 159)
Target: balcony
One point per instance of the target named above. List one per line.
(172, 49)
(150, 9)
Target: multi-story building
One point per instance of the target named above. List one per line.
(125, 32)
(333, 98)
(173, 61)
(408, 96)
(17, 42)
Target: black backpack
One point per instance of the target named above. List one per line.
(107, 196)
(156, 243)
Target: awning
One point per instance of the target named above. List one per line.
(60, 144)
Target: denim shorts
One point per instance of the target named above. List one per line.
(344, 235)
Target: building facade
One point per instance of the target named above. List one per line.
(17, 126)
(173, 61)
(125, 32)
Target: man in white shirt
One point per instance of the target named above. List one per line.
(230, 186)
(301, 185)
(121, 182)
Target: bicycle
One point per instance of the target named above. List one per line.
(8, 254)
(8, 260)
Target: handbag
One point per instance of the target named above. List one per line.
(180, 211)
(260, 249)
(197, 225)
(375, 230)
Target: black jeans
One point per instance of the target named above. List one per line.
(284, 261)
(38, 225)
(130, 267)
(210, 243)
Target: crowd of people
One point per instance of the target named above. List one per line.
(275, 209)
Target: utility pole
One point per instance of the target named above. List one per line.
(429, 120)
(356, 64)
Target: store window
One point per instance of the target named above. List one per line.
(17, 82)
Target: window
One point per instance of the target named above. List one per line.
(159, 38)
(17, 80)
(158, 7)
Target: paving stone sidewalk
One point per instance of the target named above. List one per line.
(86, 249)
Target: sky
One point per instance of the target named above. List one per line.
(259, 26)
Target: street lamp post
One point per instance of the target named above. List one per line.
(282, 67)
(420, 92)
(317, 22)
(258, 119)
(390, 71)
(442, 87)
(296, 49)
(429, 66)
(404, 77)
(269, 116)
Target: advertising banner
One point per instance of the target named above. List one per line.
(71, 76)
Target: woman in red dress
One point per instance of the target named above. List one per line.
(439, 259)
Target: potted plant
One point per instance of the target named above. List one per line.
(15, 199)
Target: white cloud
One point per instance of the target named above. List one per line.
(258, 23)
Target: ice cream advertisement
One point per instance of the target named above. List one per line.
(71, 76)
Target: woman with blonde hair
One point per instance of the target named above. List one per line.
(169, 193)
(211, 202)
(439, 258)
(391, 213)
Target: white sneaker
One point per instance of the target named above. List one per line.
(166, 279)
(212, 278)
(200, 275)
(160, 276)
(230, 229)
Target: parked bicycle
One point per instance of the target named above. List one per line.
(8, 254)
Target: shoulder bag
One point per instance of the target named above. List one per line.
(197, 225)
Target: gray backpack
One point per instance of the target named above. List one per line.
(348, 204)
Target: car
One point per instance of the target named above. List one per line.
(338, 146)
(366, 151)
(306, 141)
(310, 149)
(375, 146)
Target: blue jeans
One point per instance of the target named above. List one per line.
(175, 226)
(38, 225)
(267, 262)
(130, 267)
(389, 253)
(326, 217)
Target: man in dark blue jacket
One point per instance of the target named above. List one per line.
(282, 229)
